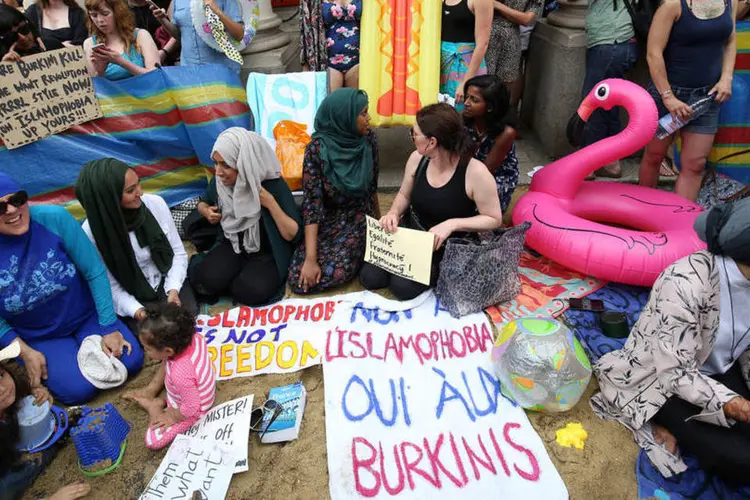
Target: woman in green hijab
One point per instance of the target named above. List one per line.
(136, 237)
(340, 183)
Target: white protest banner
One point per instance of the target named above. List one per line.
(45, 94)
(414, 410)
(406, 253)
(192, 465)
(279, 338)
(229, 424)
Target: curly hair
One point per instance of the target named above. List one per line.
(9, 430)
(124, 20)
(167, 325)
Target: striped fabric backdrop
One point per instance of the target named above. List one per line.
(734, 127)
(164, 123)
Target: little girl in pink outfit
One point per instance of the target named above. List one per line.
(168, 334)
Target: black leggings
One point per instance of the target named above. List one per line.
(375, 278)
(722, 451)
(249, 279)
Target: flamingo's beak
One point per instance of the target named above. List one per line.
(586, 108)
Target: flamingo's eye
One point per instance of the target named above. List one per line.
(602, 92)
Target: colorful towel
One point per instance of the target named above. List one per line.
(163, 122)
(694, 483)
(543, 286)
(290, 96)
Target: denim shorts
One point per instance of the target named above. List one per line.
(707, 123)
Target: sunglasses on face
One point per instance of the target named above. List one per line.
(21, 29)
(18, 200)
(257, 417)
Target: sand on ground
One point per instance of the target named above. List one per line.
(605, 469)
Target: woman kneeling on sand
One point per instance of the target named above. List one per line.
(681, 378)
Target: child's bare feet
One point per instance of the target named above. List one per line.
(664, 437)
(154, 406)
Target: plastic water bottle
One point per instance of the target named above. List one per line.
(669, 124)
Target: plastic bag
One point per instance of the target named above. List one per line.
(291, 140)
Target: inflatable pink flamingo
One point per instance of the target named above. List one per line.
(569, 217)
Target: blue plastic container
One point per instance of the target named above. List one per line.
(100, 435)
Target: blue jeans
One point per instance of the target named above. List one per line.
(602, 62)
(14, 482)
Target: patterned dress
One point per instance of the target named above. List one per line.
(504, 52)
(662, 357)
(342, 34)
(340, 219)
(506, 177)
(313, 46)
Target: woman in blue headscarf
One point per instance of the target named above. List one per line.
(54, 293)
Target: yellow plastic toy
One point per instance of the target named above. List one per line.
(399, 58)
(572, 435)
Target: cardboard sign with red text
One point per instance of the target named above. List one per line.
(414, 410)
(278, 338)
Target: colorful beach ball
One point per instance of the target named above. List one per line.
(541, 364)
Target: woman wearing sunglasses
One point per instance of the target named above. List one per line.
(445, 190)
(18, 37)
(54, 293)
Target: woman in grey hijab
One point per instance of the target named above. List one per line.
(260, 223)
(680, 381)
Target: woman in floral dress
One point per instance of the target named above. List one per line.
(340, 182)
(330, 39)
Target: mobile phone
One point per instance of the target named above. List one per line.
(97, 45)
(594, 305)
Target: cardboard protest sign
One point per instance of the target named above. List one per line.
(406, 253)
(279, 338)
(414, 410)
(192, 465)
(229, 424)
(45, 94)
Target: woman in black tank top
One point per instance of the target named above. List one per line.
(445, 191)
(464, 38)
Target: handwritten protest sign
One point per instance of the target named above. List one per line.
(229, 424)
(406, 253)
(280, 338)
(414, 410)
(45, 94)
(192, 465)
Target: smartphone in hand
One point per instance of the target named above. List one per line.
(594, 305)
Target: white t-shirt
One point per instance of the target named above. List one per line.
(127, 305)
(733, 336)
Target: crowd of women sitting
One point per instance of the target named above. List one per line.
(67, 288)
